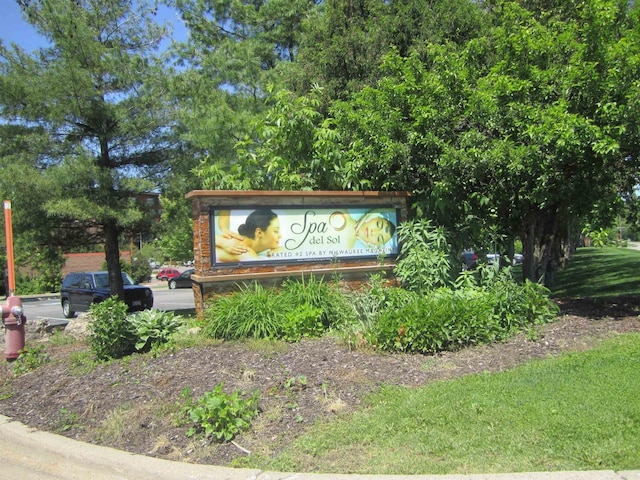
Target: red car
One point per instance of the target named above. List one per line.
(167, 273)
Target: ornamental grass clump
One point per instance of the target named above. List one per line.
(300, 298)
(307, 307)
(251, 312)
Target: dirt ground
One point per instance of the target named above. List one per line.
(134, 404)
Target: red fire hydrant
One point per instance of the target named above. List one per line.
(13, 318)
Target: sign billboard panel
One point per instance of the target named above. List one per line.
(264, 235)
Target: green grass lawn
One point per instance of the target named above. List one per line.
(578, 411)
(600, 273)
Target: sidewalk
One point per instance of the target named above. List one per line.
(36, 455)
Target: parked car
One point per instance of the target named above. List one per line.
(153, 264)
(469, 260)
(493, 257)
(165, 274)
(80, 290)
(183, 280)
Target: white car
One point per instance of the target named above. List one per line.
(493, 257)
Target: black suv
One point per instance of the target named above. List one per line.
(82, 289)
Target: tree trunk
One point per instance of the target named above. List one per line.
(529, 262)
(112, 254)
(538, 240)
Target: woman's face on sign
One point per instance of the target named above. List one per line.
(376, 231)
(271, 236)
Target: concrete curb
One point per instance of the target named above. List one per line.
(36, 298)
(38, 455)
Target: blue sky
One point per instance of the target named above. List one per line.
(14, 29)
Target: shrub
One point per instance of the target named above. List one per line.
(154, 327)
(449, 319)
(305, 320)
(397, 330)
(218, 414)
(423, 263)
(367, 305)
(140, 269)
(45, 265)
(520, 305)
(112, 334)
(30, 285)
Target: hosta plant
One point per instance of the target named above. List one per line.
(154, 327)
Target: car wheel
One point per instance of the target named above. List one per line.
(66, 309)
(172, 284)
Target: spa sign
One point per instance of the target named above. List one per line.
(266, 235)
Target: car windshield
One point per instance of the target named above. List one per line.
(102, 279)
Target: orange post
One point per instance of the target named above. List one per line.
(8, 227)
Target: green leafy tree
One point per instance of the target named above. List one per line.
(92, 104)
(345, 42)
(505, 136)
(291, 146)
(39, 239)
(342, 45)
(546, 96)
(174, 232)
(235, 50)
